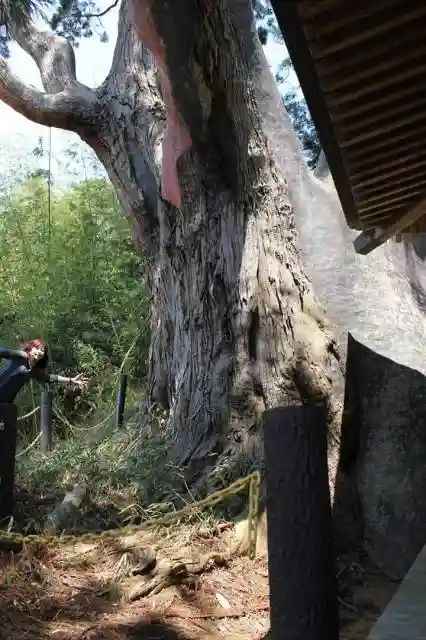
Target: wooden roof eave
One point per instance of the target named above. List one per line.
(378, 225)
(298, 48)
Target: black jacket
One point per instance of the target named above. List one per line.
(15, 372)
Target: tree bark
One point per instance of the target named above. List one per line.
(193, 134)
(242, 330)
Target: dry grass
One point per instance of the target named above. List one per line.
(81, 591)
(114, 463)
(77, 592)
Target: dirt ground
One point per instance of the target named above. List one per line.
(82, 591)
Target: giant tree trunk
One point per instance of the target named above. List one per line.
(239, 328)
(210, 183)
(194, 135)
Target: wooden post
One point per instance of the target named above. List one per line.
(121, 400)
(46, 402)
(303, 594)
(8, 434)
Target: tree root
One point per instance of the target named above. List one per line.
(163, 573)
(239, 539)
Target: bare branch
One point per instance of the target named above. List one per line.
(102, 13)
(53, 55)
(68, 104)
(67, 109)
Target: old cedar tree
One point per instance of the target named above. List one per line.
(192, 131)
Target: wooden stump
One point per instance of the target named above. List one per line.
(303, 595)
(8, 434)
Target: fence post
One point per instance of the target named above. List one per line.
(121, 400)
(302, 581)
(46, 402)
(8, 434)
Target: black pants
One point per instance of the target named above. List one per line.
(8, 434)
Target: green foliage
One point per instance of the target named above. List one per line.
(115, 463)
(267, 25)
(16, 12)
(73, 19)
(71, 274)
(293, 98)
(303, 125)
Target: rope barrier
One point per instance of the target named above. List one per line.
(73, 427)
(30, 446)
(28, 415)
(251, 481)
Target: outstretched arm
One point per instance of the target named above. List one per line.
(13, 354)
(42, 376)
(78, 381)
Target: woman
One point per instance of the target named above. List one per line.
(29, 364)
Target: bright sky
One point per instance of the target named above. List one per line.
(18, 135)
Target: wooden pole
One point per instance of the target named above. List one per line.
(46, 403)
(121, 400)
(303, 594)
(8, 434)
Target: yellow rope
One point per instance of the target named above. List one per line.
(73, 427)
(252, 481)
(28, 415)
(30, 446)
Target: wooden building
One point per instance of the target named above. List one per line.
(362, 68)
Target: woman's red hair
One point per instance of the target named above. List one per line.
(36, 344)
(33, 344)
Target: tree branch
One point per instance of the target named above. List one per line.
(67, 109)
(102, 13)
(68, 104)
(53, 55)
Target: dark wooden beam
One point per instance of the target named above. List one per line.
(298, 48)
(369, 240)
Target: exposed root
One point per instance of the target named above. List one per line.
(166, 573)
(186, 574)
(238, 540)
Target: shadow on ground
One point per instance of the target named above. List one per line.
(148, 628)
(34, 612)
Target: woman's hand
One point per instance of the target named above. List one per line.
(80, 382)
